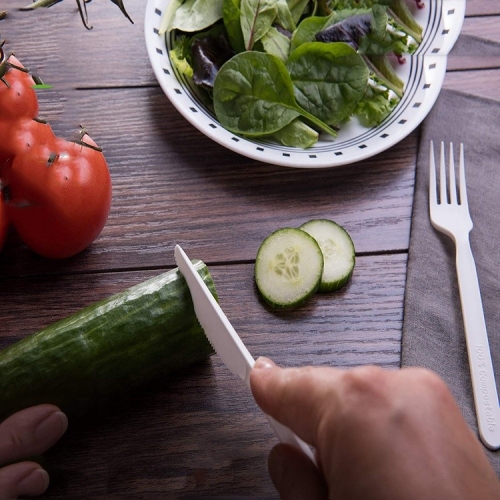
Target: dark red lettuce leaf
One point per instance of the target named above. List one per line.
(349, 31)
(209, 53)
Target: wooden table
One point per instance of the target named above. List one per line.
(199, 433)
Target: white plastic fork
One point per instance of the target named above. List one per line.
(450, 215)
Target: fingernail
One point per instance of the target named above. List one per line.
(56, 422)
(262, 363)
(35, 483)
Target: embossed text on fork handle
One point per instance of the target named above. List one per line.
(481, 366)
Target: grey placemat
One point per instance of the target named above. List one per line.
(433, 333)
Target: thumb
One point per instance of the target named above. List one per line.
(294, 476)
(299, 398)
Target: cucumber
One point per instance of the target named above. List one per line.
(288, 267)
(107, 348)
(338, 252)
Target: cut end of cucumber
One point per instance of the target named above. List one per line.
(288, 267)
(338, 252)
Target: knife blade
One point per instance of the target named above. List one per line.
(226, 341)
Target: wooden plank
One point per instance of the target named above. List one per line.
(482, 27)
(112, 54)
(478, 45)
(471, 52)
(482, 84)
(482, 7)
(199, 433)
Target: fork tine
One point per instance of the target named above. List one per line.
(442, 177)
(463, 189)
(453, 184)
(432, 177)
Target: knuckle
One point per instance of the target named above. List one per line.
(431, 382)
(17, 440)
(364, 382)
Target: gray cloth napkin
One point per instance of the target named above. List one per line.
(433, 332)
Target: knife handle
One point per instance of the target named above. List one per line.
(286, 436)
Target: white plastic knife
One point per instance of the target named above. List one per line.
(226, 341)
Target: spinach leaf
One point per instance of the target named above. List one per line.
(275, 43)
(284, 16)
(231, 15)
(329, 79)
(196, 15)
(307, 29)
(297, 8)
(297, 135)
(168, 15)
(257, 16)
(253, 95)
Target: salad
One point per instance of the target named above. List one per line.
(289, 70)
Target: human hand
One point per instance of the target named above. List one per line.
(378, 434)
(25, 434)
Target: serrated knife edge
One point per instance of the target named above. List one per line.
(230, 349)
(214, 322)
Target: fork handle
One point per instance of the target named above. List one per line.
(481, 366)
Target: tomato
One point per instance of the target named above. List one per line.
(18, 135)
(4, 220)
(18, 98)
(18, 103)
(59, 199)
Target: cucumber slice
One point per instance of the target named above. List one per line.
(288, 267)
(338, 252)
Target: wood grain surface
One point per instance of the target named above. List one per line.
(199, 434)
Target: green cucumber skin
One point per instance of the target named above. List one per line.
(123, 341)
(333, 286)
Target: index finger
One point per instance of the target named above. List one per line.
(30, 432)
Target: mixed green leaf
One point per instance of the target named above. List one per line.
(292, 69)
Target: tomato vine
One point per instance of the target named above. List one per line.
(82, 8)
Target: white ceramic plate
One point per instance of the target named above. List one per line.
(423, 74)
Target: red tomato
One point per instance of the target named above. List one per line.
(18, 98)
(4, 221)
(18, 135)
(59, 200)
